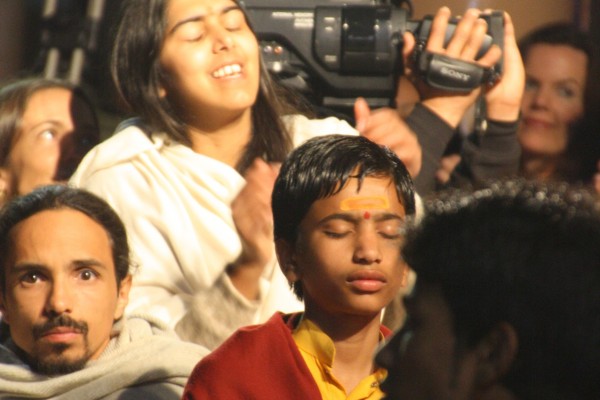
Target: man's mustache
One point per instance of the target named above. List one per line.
(59, 321)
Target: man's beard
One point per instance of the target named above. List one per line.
(53, 362)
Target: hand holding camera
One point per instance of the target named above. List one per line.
(335, 51)
(463, 50)
(504, 98)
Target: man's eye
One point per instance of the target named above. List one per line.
(31, 277)
(87, 274)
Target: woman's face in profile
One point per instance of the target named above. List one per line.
(553, 98)
(55, 131)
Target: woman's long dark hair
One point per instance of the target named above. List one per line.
(136, 73)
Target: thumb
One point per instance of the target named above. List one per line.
(361, 114)
(408, 47)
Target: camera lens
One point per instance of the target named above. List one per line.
(366, 40)
(359, 40)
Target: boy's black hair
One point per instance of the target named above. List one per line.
(527, 254)
(320, 168)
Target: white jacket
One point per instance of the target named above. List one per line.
(176, 206)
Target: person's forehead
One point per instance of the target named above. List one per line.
(59, 219)
(42, 96)
(60, 233)
(556, 49)
(564, 61)
(374, 193)
(45, 102)
(183, 9)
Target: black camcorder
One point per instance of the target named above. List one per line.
(334, 51)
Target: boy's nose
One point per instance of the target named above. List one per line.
(367, 249)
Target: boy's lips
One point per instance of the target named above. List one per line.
(367, 280)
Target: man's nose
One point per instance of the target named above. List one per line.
(60, 298)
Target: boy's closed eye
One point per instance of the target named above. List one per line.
(391, 228)
(338, 228)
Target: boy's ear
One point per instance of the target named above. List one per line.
(287, 260)
(405, 274)
(4, 184)
(496, 353)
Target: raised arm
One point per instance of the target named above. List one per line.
(437, 116)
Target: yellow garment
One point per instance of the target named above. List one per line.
(318, 352)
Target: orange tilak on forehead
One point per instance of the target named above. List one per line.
(365, 203)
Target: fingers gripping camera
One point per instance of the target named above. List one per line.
(446, 73)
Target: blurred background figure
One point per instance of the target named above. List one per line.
(559, 128)
(46, 127)
(559, 131)
(506, 300)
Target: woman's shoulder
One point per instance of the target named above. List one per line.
(131, 137)
(118, 151)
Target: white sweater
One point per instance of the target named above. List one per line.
(176, 206)
(142, 361)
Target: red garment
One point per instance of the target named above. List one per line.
(256, 362)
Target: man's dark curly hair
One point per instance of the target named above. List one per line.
(527, 254)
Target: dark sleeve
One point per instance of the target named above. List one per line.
(433, 134)
(491, 155)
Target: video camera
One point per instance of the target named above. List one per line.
(334, 50)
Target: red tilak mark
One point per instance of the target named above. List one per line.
(367, 215)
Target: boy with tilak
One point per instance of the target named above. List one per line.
(339, 207)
